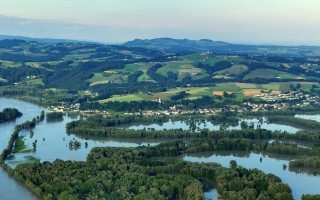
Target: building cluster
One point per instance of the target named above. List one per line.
(293, 96)
(281, 101)
(270, 102)
(176, 112)
(306, 65)
(269, 97)
(254, 107)
(76, 108)
(66, 108)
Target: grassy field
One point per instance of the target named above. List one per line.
(241, 90)
(228, 87)
(182, 68)
(132, 68)
(37, 81)
(268, 74)
(271, 86)
(7, 64)
(210, 59)
(98, 78)
(284, 86)
(194, 92)
(130, 97)
(19, 145)
(175, 67)
(101, 78)
(234, 70)
(246, 85)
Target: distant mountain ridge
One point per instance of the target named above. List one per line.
(176, 45)
(41, 40)
(169, 45)
(186, 46)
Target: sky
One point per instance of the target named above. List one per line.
(289, 22)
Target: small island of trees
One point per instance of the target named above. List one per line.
(53, 116)
(9, 114)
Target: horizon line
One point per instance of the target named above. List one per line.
(167, 37)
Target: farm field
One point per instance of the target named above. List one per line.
(269, 74)
(234, 70)
(182, 69)
(9, 64)
(103, 77)
(37, 81)
(241, 90)
(210, 59)
(122, 98)
(133, 68)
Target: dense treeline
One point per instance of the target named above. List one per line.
(134, 106)
(152, 72)
(291, 149)
(8, 114)
(308, 124)
(20, 91)
(132, 78)
(136, 173)
(310, 162)
(12, 75)
(240, 183)
(11, 43)
(179, 95)
(28, 58)
(311, 197)
(52, 116)
(6, 152)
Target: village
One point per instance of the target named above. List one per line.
(269, 102)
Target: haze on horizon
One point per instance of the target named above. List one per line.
(289, 22)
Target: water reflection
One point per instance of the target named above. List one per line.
(211, 195)
(302, 183)
(309, 117)
(201, 124)
(53, 143)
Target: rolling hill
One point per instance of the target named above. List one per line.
(169, 45)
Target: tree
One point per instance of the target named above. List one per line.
(233, 164)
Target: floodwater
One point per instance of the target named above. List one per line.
(53, 143)
(201, 124)
(302, 183)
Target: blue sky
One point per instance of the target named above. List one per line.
(238, 21)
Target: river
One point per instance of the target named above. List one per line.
(53, 144)
(9, 188)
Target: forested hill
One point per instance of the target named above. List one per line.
(169, 45)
